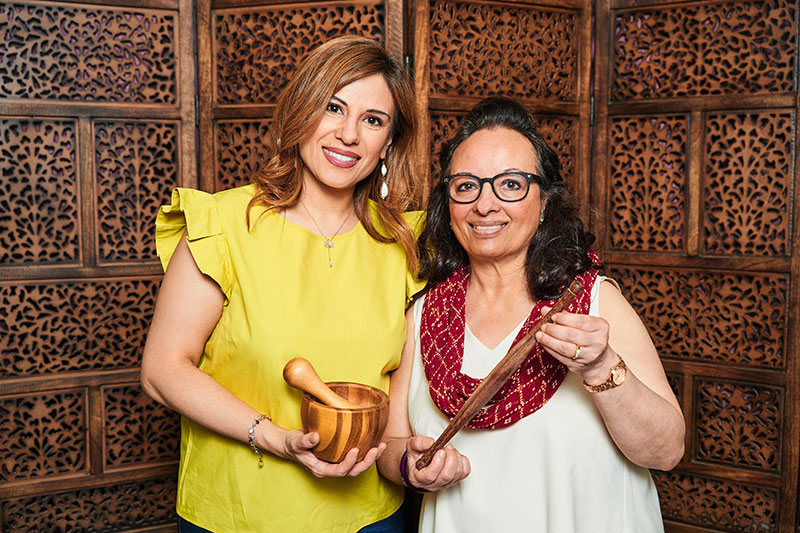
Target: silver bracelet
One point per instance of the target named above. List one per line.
(251, 433)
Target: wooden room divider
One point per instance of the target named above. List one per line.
(695, 169)
(675, 123)
(97, 124)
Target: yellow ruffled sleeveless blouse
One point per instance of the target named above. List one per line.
(282, 300)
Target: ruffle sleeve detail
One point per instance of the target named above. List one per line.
(415, 220)
(195, 212)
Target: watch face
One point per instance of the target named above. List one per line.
(618, 376)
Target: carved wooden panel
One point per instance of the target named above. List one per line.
(136, 167)
(748, 177)
(696, 111)
(647, 183)
(516, 51)
(257, 49)
(676, 384)
(137, 429)
(43, 435)
(123, 507)
(561, 133)
(734, 319)
(39, 191)
(738, 424)
(57, 52)
(717, 504)
(55, 327)
(97, 124)
(240, 150)
(443, 127)
(704, 49)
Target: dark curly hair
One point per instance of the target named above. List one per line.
(557, 251)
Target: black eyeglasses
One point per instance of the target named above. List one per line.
(464, 188)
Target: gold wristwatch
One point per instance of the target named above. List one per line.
(615, 378)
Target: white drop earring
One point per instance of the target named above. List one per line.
(541, 216)
(384, 185)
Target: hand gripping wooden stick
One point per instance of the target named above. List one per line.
(497, 377)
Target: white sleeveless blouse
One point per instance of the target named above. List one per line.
(556, 470)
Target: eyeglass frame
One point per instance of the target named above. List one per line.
(529, 177)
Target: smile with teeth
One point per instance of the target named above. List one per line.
(486, 227)
(340, 157)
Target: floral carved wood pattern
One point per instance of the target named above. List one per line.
(738, 424)
(732, 319)
(715, 503)
(725, 48)
(39, 192)
(257, 50)
(43, 435)
(100, 55)
(57, 327)
(561, 134)
(520, 52)
(676, 384)
(136, 166)
(647, 186)
(95, 114)
(240, 149)
(748, 179)
(137, 430)
(443, 127)
(122, 507)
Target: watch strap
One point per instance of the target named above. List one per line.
(609, 383)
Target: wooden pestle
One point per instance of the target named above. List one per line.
(497, 377)
(300, 374)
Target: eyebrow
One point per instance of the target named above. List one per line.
(334, 97)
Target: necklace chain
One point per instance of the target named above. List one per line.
(327, 242)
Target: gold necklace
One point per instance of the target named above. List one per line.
(327, 241)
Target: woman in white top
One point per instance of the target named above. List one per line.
(566, 443)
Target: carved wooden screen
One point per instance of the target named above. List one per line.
(96, 125)
(537, 52)
(247, 52)
(695, 166)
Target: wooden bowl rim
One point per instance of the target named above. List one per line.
(319, 405)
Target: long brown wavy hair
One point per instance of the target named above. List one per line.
(300, 108)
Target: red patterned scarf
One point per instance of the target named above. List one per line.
(442, 345)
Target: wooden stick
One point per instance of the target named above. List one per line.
(497, 377)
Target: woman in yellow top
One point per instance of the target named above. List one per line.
(315, 259)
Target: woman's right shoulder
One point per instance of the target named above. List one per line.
(191, 197)
(236, 196)
(230, 205)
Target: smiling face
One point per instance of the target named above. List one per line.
(490, 229)
(352, 136)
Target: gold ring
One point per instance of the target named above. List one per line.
(577, 351)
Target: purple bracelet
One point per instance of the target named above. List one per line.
(404, 474)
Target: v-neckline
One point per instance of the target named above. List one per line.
(514, 331)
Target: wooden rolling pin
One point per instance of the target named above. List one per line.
(300, 374)
(497, 377)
